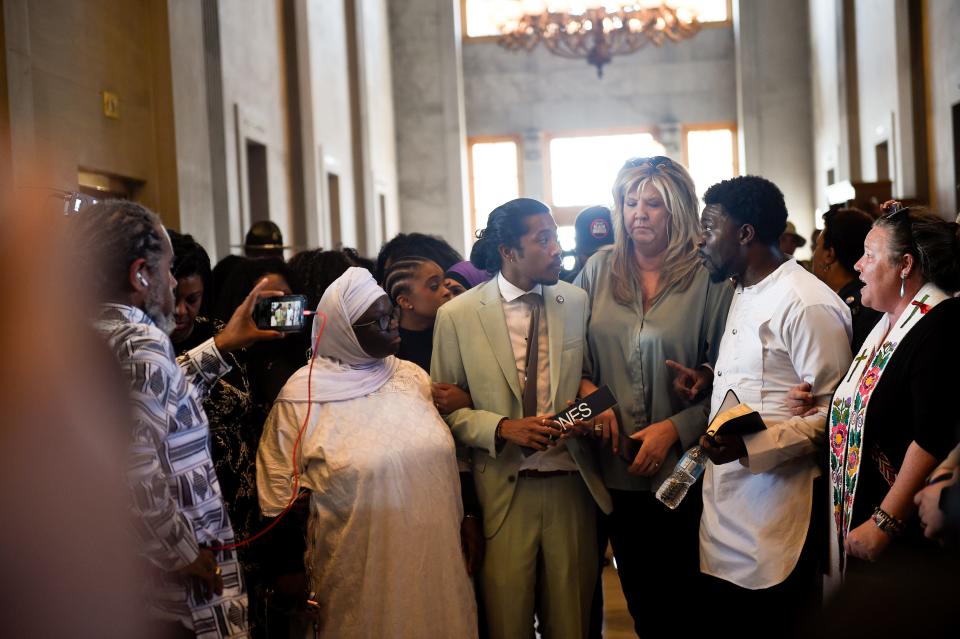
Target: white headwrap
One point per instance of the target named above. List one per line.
(341, 368)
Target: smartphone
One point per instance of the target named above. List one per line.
(283, 313)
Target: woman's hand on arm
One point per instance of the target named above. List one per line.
(689, 383)
(801, 401)
(450, 397)
(932, 518)
(472, 543)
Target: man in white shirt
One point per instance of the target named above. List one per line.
(784, 327)
(537, 491)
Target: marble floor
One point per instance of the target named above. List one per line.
(617, 623)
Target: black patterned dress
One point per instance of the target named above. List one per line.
(235, 427)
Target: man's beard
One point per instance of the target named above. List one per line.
(154, 309)
(717, 272)
(717, 276)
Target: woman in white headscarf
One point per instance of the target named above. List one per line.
(383, 543)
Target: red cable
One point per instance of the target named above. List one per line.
(296, 466)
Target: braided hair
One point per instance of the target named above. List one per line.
(398, 278)
(415, 245)
(113, 234)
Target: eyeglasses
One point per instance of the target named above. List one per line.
(383, 321)
(655, 162)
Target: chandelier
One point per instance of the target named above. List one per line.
(594, 30)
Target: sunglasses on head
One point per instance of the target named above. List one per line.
(899, 214)
(383, 321)
(655, 162)
(895, 210)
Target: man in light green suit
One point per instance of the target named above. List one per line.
(517, 344)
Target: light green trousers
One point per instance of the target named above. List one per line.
(545, 554)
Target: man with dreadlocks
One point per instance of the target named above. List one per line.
(197, 589)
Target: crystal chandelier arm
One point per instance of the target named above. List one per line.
(598, 34)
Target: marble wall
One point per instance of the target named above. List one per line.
(846, 139)
(752, 73)
(379, 129)
(537, 94)
(328, 139)
(886, 114)
(254, 108)
(515, 92)
(61, 56)
(774, 104)
(195, 182)
(830, 95)
(429, 118)
(197, 80)
(943, 75)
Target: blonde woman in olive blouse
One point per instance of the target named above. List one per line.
(652, 301)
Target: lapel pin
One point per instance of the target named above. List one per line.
(559, 299)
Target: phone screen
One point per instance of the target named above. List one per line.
(281, 313)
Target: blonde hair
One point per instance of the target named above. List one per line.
(675, 186)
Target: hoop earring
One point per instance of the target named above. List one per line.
(903, 280)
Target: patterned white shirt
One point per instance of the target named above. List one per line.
(176, 497)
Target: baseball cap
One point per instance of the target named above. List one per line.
(593, 229)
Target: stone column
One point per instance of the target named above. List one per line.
(774, 100)
(431, 132)
(192, 130)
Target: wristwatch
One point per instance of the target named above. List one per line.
(887, 522)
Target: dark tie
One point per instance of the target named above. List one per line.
(533, 352)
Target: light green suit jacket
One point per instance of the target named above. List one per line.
(471, 348)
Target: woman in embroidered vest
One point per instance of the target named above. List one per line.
(890, 417)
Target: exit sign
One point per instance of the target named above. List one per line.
(111, 105)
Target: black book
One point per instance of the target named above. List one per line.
(732, 418)
(735, 418)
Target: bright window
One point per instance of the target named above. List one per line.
(494, 177)
(707, 10)
(583, 168)
(711, 156)
(483, 17)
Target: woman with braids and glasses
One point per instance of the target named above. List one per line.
(652, 305)
(894, 415)
(383, 540)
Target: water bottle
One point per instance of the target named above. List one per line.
(685, 475)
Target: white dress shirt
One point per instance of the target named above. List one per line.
(517, 314)
(787, 329)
